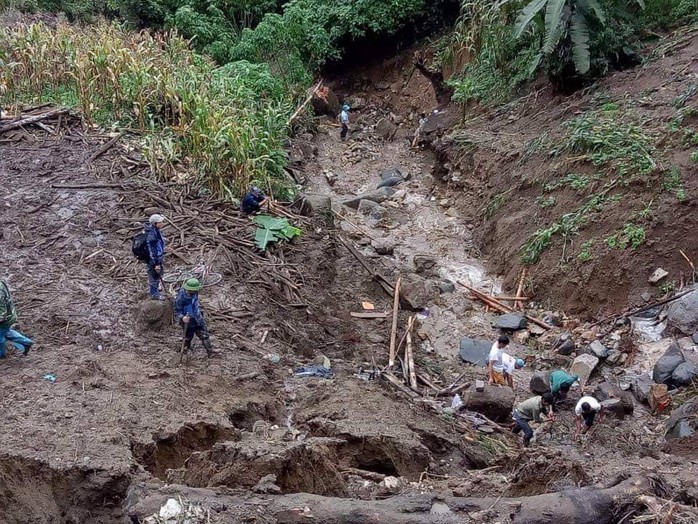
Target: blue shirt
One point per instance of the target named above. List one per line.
(250, 204)
(156, 244)
(188, 304)
(344, 117)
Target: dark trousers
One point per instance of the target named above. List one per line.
(589, 418)
(154, 279)
(199, 329)
(522, 425)
(344, 131)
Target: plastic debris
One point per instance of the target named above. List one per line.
(314, 371)
(172, 509)
(456, 402)
(178, 511)
(50, 377)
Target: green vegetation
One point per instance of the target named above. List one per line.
(545, 202)
(585, 251)
(571, 180)
(225, 125)
(673, 183)
(495, 203)
(631, 236)
(273, 229)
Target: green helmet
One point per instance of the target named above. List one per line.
(193, 284)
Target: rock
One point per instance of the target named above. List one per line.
(511, 322)
(622, 404)
(325, 102)
(567, 347)
(386, 129)
(494, 402)
(684, 374)
(317, 204)
(480, 385)
(355, 102)
(154, 315)
(658, 275)
(418, 294)
(683, 313)
(522, 337)
(598, 349)
(446, 286)
(665, 366)
(439, 508)
(377, 213)
(267, 485)
(695, 338)
(683, 421)
(613, 408)
(377, 195)
(375, 338)
(540, 382)
(383, 247)
(365, 206)
(583, 366)
(552, 319)
(391, 177)
(424, 263)
(452, 212)
(475, 351)
(646, 296)
(613, 357)
(640, 387)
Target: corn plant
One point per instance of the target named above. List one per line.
(224, 127)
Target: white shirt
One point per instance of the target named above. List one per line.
(509, 363)
(593, 403)
(496, 358)
(344, 117)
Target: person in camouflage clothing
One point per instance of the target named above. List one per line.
(8, 316)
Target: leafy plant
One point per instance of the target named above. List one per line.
(564, 18)
(273, 229)
(585, 251)
(545, 202)
(632, 235)
(575, 181)
(674, 184)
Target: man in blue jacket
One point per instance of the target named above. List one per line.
(253, 201)
(188, 314)
(156, 252)
(8, 316)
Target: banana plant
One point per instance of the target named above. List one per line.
(563, 17)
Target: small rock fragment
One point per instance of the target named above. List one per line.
(658, 275)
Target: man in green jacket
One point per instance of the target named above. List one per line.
(560, 383)
(530, 411)
(8, 316)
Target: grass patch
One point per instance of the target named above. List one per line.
(632, 235)
(672, 182)
(546, 201)
(571, 180)
(585, 251)
(495, 203)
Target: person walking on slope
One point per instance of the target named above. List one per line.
(188, 314)
(8, 316)
(586, 410)
(344, 120)
(530, 411)
(155, 243)
(510, 365)
(495, 362)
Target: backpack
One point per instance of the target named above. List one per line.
(139, 246)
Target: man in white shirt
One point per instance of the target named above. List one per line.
(344, 120)
(511, 364)
(586, 410)
(495, 361)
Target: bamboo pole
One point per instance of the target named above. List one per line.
(305, 103)
(393, 331)
(410, 356)
(519, 305)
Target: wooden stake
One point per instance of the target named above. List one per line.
(393, 331)
(410, 356)
(305, 103)
(519, 305)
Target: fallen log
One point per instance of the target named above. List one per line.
(32, 119)
(105, 147)
(589, 505)
(641, 309)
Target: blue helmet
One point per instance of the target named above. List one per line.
(346, 107)
(519, 363)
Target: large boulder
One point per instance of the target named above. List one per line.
(325, 102)
(667, 363)
(495, 402)
(377, 195)
(598, 349)
(564, 344)
(317, 205)
(683, 421)
(416, 293)
(684, 374)
(424, 264)
(640, 387)
(475, 351)
(386, 129)
(683, 313)
(154, 315)
(511, 321)
(540, 382)
(618, 402)
(583, 366)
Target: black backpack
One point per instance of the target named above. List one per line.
(139, 246)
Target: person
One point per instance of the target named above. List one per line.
(189, 316)
(530, 411)
(253, 201)
(344, 120)
(495, 363)
(510, 365)
(156, 254)
(8, 316)
(586, 410)
(560, 383)
(422, 122)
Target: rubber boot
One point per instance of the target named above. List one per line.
(206, 341)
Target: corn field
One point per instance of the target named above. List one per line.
(216, 125)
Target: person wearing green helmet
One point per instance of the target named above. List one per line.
(344, 120)
(188, 314)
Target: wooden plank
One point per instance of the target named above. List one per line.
(393, 330)
(375, 314)
(32, 119)
(410, 356)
